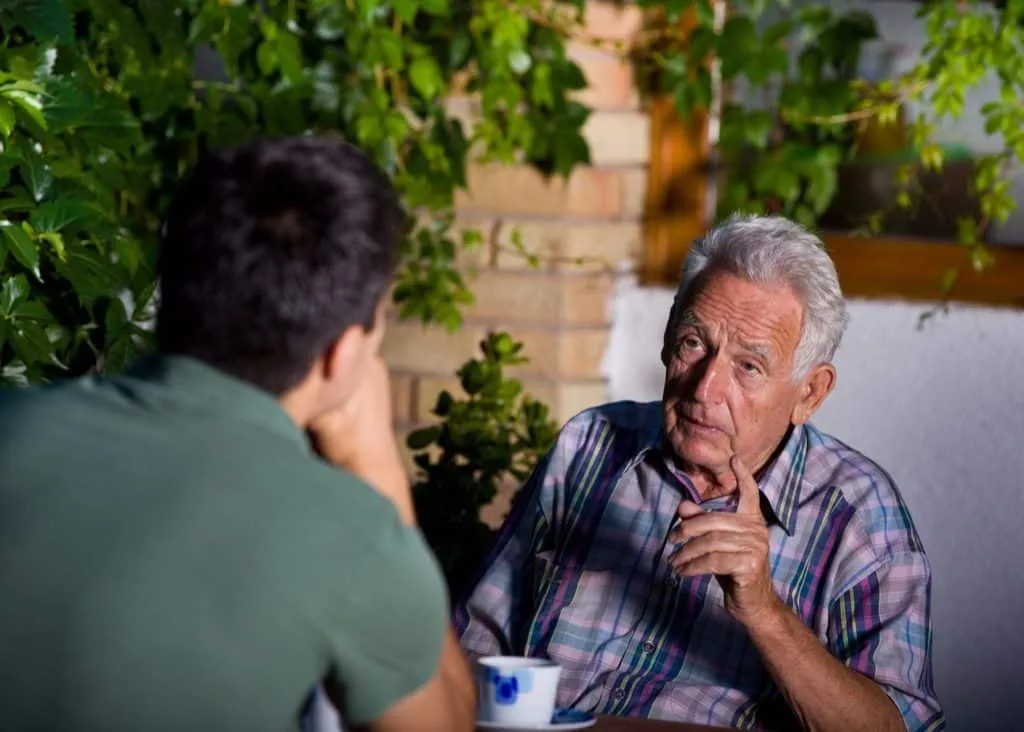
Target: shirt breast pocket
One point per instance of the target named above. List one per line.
(589, 610)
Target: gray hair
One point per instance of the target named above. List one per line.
(776, 251)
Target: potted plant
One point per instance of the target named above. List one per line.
(489, 437)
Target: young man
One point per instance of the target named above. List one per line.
(173, 553)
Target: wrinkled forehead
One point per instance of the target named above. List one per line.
(728, 306)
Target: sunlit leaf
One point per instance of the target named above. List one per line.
(519, 61)
(31, 344)
(436, 7)
(56, 242)
(32, 310)
(21, 246)
(35, 173)
(11, 292)
(289, 56)
(30, 103)
(425, 77)
(6, 118)
(405, 9)
(55, 215)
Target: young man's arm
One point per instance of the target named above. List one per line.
(446, 702)
(396, 663)
(389, 685)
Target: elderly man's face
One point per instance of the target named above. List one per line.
(729, 386)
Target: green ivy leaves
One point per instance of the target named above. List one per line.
(96, 134)
(47, 198)
(776, 160)
(783, 155)
(21, 245)
(490, 433)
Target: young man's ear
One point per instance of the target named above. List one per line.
(817, 385)
(344, 356)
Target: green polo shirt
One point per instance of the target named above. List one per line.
(173, 557)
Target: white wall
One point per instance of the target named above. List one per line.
(942, 410)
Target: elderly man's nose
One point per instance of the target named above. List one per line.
(710, 382)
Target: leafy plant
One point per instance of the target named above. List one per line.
(783, 155)
(75, 284)
(101, 110)
(492, 434)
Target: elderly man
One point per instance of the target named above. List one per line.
(714, 558)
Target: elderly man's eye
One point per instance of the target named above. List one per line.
(690, 343)
(750, 367)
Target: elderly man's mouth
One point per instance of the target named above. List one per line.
(702, 427)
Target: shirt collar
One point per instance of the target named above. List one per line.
(781, 480)
(779, 483)
(187, 380)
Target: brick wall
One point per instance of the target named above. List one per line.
(559, 310)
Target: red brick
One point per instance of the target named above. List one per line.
(539, 297)
(519, 189)
(610, 80)
(409, 347)
(634, 192)
(575, 396)
(611, 20)
(562, 353)
(618, 137)
(401, 399)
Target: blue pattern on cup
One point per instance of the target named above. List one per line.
(507, 688)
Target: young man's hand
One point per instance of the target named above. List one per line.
(358, 437)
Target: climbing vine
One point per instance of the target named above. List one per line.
(105, 103)
(785, 87)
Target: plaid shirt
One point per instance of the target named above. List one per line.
(579, 574)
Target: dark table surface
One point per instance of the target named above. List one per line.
(635, 724)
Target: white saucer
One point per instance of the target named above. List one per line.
(563, 721)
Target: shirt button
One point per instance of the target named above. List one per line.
(618, 694)
(648, 647)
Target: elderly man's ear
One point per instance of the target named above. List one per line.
(814, 387)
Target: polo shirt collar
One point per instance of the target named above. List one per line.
(199, 385)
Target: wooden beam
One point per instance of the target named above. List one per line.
(912, 269)
(889, 268)
(676, 197)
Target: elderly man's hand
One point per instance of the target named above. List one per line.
(733, 547)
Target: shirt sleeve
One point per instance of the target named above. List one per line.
(493, 618)
(389, 640)
(881, 627)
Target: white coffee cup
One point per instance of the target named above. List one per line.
(515, 690)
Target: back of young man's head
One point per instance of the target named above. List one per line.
(271, 251)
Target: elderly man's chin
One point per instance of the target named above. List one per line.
(699, 447)
(700, 452)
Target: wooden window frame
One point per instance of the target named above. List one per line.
(869, 267)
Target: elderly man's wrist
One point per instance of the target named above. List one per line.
(769, 618)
